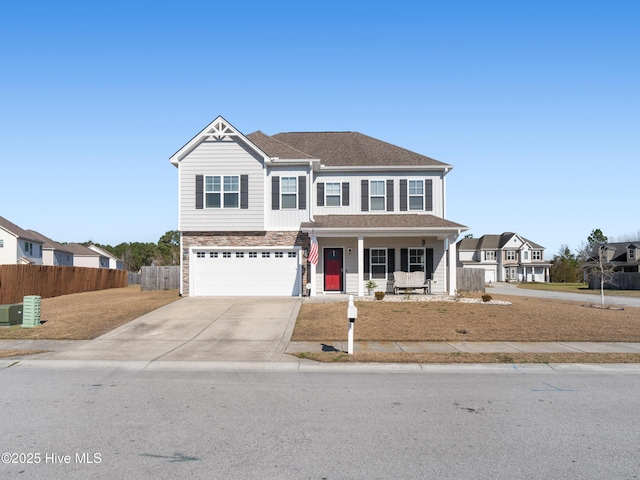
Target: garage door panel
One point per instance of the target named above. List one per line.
(245, 272)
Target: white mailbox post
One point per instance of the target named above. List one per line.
(352, 314)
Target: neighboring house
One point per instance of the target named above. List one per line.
(622, 256)
(18, 246)
(248, 205)
(114, 262)
(52, 252)
(85, 257)
(506, 257)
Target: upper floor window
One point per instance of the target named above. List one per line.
(377, 194)
(536, 255)
(526, 255)
(510, 255)
(332, 194)
(416, 195)
(289, 187)
(1, 243)
(490, 255)
(630, 256)
(28, 248)
(222, 191)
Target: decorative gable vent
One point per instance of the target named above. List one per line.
(220, 130)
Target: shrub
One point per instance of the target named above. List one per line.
(379, 295)
(486, 298)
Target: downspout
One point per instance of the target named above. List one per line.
(310, 192)
(444, 193)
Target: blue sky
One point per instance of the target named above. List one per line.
(535, 104)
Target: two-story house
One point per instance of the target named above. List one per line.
(86, 257)
(506, 257)
(114, 262)
(18, 246)
(249, 207)
(53, 253)
(622, 256)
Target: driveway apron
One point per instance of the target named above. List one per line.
(199, 329)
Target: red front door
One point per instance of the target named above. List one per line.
(332, 269)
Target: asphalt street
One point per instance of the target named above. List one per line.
(126, 420)
(499, 288)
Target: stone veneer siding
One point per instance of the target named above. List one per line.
(239, 240)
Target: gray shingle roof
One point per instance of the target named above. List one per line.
(275, 148)
(16, 230)
(400, 221)
(48, 243)
(81, 250)
(340, 149)
(491, 242)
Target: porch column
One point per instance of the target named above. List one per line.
(453, 284)
(360, 265)
(313, 293)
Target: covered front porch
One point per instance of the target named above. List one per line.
(356, 249)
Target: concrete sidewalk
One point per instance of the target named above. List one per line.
(466, 347)
(82, 350)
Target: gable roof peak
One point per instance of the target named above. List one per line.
(219, 129)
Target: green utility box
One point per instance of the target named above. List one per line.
(10, 315)
(31, 311)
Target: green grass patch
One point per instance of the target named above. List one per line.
(577, 288)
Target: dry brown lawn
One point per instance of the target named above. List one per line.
(525, 320)
(84, 316)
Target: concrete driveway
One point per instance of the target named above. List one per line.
(252, 329)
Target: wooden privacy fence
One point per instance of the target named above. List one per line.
(17, 281)
(470, 279)
(160, 278)
(621, 281)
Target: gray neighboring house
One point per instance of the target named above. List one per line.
(53, 253)
(506, 257)
(18, 246)
(85, 257)
(623, 256)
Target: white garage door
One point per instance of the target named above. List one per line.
(233, 272)
(489, 275)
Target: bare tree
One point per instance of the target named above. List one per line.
(599, 267)
(629, 237)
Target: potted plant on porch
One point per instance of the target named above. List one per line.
(370, 286)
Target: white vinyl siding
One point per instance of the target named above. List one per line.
(287, 218)
(223, 159)
(354, 180)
